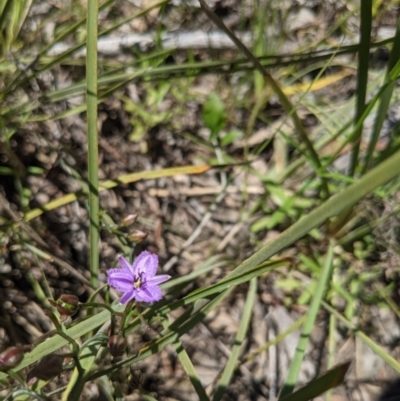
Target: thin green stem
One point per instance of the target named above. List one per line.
(98, 305)
(93, 156)
(75, 346)
(125, 315)
(362, 76)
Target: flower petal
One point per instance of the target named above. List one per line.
(125, 264)
(120, 279)
(148, 294)
(158, 279)
(128, 296)
(147, 264)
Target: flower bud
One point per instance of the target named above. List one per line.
(137, 236)
(50, 366)
(11, 357)
(129, 220)
(117, 345)
(67, 304)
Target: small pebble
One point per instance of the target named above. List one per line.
(42, 198)
(6, 268)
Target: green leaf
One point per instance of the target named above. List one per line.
(231, 137)
(214, 115)
(289, 284)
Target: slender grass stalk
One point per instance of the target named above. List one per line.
(93, 155)
(295, 365)
(362, 77)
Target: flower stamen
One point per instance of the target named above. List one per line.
(137, 283)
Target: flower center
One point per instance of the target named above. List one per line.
(138, 281)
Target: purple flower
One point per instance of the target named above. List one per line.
(137, 281)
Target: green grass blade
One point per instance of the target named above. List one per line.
(318, 386)
(230, 281)
(362, 76)
(189, 369)
(227, 373)
(295, 365)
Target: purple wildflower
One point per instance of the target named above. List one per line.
(138, 280)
